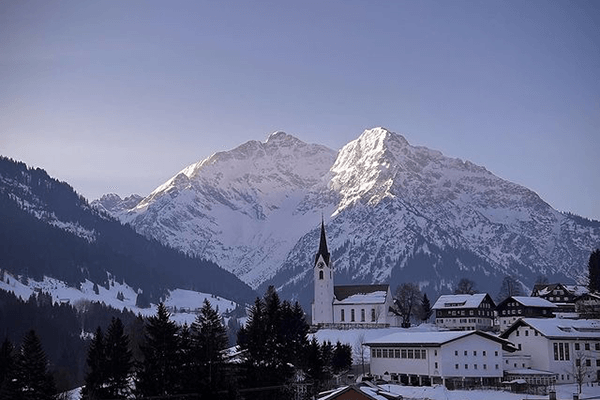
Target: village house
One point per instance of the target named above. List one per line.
(564, 296)
(515, 307)
(453, 358)
(563, 346)
(465, 312)
(348, 306)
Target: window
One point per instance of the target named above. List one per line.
(587, 346)
(519, 346)
(517, 332)
(410, 354)
(598, 346)
(455, 366)
(576, 346)
(397, 353)
(362, 315)
(484, 353)
(484, 366)
(497, 366)
(403, 352)
(475, 353)
(436, 365)
(435, 353)
(466, 366)
(474, 366)
(320, 274)
(343, 316)
(372, 315)
(455, 352)
(577, 362)
(588, 362)
(423, 354)
(373, 353)
(597, 363)
(379, 353)
(352, 315)
(496, 353)
(526, 333)
(465, 352)
(384, 353)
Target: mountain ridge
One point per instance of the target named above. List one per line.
(394, 212)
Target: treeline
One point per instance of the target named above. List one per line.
(60, 327)
(273, 359)
(31, 245)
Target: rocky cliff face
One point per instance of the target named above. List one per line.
(394, 213)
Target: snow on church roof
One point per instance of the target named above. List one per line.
(360, 294)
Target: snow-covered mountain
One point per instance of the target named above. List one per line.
(394, 213)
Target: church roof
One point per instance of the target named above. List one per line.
(360, 293)
(323, 246)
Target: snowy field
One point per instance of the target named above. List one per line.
(187, 300)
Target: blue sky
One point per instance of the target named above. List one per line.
(118, 96)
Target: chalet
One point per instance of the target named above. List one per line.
(563, 346)
(465, 312)
(452, 358)
(564, 296)
(587, 306)
(348, 306)
(516, 307)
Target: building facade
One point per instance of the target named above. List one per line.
(452, 358)
(562, 346)
(465, 312)
(516, 307)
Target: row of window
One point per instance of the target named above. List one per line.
(481, 313)
(483, 353)
(362, 315)
(463, 321)
(561, 352)
(418, 354)
(475, 366)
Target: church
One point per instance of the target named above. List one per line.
(348, 306)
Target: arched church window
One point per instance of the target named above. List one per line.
(320, 274)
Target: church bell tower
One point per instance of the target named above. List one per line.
(322, 307)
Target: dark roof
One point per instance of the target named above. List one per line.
(323, 246)
(345, 291)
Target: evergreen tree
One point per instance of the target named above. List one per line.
(97, 369)
(594, 272)
(158, 374)
(209, 340)
(425, 309)
(314, 366)
(342, 357)
(118, 360)
(8, 388)
(32, 376)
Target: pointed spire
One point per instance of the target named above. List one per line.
(323, 245)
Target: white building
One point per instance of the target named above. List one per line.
(347, 306)
(453, 358)
(464, 312)
(562, 346)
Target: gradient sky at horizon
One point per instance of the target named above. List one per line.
(118, 96)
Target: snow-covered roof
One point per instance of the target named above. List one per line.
(459, 301)
(427, 338)
(560, 328)
(575, 290)
(360, 294)
(372, 392)
(532, 301)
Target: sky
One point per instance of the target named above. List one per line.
(118, 96)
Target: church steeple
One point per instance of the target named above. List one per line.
(323, 252)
